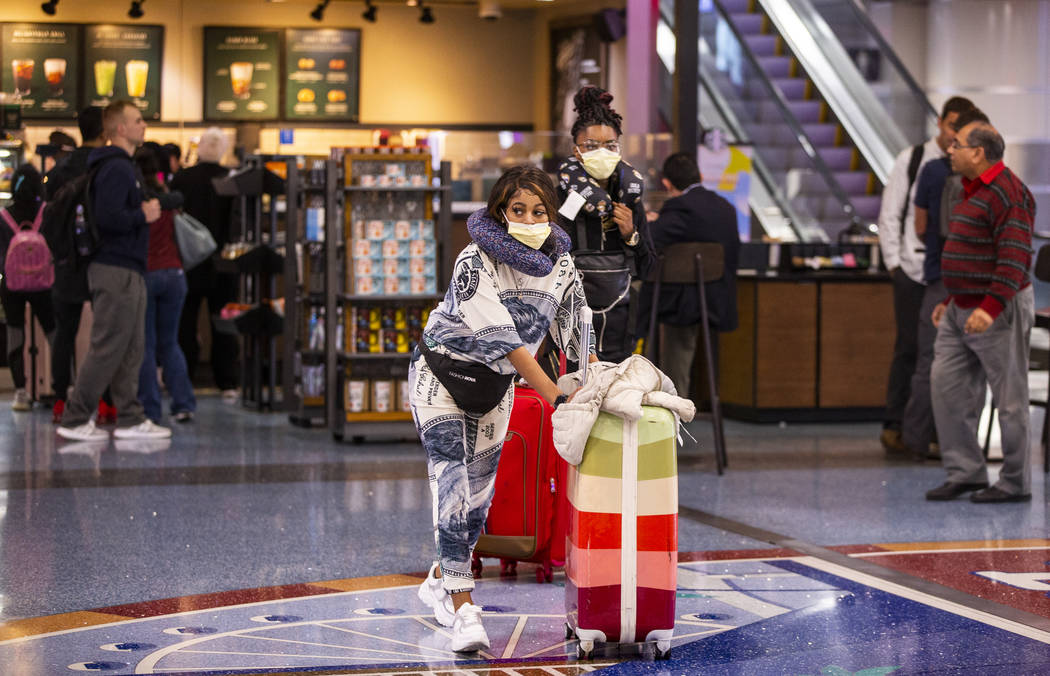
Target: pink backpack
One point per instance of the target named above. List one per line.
(28, 266)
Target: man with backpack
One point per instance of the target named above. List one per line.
(70, 291)
(902, 252)
(28, 273)
(117, 285)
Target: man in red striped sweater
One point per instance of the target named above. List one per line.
(984, 327)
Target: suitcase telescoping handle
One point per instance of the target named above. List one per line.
(586, 316)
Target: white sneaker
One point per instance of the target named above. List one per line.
(468, 634)
(85, 432)
(21, 402)
(147, 429)
(230, 396)
(434, 595)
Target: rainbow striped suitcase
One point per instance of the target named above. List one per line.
(622, 553)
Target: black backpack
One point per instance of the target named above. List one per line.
(73, 239)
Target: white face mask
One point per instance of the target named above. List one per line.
(600, 163)
(532, 235)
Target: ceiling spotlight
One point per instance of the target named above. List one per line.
(136, 9)
(425, 15)
(369, 14)
(49, 7)
(318, 13)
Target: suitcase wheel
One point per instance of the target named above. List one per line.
(585, 650)
(545, 572)
(663, 650)
(508, 568)
(476, 566)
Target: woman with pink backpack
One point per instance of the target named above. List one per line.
(28, 272)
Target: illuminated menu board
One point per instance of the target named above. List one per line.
(241, 73)
(124, 62)
(322, 74)
(40, 67)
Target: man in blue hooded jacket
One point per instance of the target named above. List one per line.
(117, 284)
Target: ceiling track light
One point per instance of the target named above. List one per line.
(425, 15)
(49, 7)
(318, 13)
(369, 14)
(136, 9)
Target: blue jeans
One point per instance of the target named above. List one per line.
(165, 292)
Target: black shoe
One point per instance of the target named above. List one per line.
(950, 490)
(994, 494)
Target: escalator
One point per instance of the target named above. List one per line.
(783, 76)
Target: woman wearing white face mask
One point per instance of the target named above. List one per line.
(512, 286)
(601, 209)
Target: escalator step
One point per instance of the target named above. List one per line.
(776, 66)
(747, 23)
(737, 6)
(793, 88)
(762, 45)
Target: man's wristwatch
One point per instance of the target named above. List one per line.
(633, 239)
(560, 399)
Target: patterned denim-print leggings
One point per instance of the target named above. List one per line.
(462, 457)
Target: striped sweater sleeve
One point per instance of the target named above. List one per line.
(1012, 223)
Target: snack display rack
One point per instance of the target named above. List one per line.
(382, 267)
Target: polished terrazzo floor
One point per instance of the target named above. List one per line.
(248, 545)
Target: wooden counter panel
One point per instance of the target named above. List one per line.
(786, 339)
(857, 331)
(736, 352)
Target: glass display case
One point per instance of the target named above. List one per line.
(11, 154)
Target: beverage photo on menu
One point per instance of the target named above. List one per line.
(123, 61)
(241, 71)
(39, 67)
(322, 73)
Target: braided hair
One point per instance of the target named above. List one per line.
(591, 105)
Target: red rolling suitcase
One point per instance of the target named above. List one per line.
(528, 519)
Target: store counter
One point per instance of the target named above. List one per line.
(811, 346)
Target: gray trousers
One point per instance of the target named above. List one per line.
(917, 425)
(677, 347)
(118, 302)
(961, 364)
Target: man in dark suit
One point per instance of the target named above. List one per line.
(692, 214)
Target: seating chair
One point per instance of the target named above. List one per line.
(692, 263)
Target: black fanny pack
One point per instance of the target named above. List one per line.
(476, 388)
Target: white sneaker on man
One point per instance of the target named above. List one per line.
(434, 595)
(147, 429)
(21, 402)
(85, 432)
(468, 634)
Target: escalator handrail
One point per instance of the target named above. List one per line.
(890, 53)
(800, 134)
